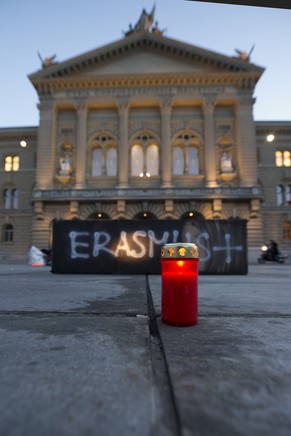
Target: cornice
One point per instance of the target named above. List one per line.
(18, 133)
(242, 80)
(145, 41)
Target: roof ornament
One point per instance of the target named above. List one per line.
(244, 55)
(47, 62)
(145, 23)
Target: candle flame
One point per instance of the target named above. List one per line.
(180, 263)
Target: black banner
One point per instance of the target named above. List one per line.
(134, 246)
(281, 4)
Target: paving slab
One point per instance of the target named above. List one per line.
(231, 373)
(89, 355)
(77, 357)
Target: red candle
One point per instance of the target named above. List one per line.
(180, 284)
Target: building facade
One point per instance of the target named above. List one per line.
(145, 127)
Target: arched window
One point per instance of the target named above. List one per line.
(279, 192)
(144, 155)
(111, 162)
(178, 161)
(7, 233)
(185, 154)
(104, 156)
(97, 162)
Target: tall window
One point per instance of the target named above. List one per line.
(287, 230)
(288, 194)
(283, 158)
(11, 163)
(286, 158)
(97, 162)
(7, 233)
(279, 158)
(144, 155)
(185, 154)
(10, 198)
(104, 156)
(111, 162)
(178, 161)
(280, 197)
(137, 160)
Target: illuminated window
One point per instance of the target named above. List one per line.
(97, 162)
(8, 163)
(192, 161)
(111, 162)
(7, 233)
(104, 156)
(283, 158)
(279, 158)
(185, 154)
(11, 163)
(152, 159)
(178, 161)
(279, 192)
(286, 158)
(137, 162)
(144, 156)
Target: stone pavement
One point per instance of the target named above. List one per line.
(88, 355)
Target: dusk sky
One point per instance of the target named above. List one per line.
(68, 28)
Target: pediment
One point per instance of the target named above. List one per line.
(145, 53)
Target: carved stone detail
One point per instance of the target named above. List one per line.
(105, 126)
(136, 126)
(196, 126)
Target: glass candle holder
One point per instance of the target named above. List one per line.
(180, 284)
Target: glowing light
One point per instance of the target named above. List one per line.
(270, 137)
(23, 143)
(191, 213)
(180, 263)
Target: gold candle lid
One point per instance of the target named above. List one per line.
(180, 250)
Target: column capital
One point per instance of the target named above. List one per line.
(166, 105)
(244, 102)
(123, 105)
(208, 105)
(47, 105)
(81, 107)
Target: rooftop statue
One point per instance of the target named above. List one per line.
(47, 62)
(244, 55)
(144, 24)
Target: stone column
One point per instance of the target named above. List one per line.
(123, 149)
(209, 143)
(166, 145)
(46, 145)
(81, 155)
(246, 142)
